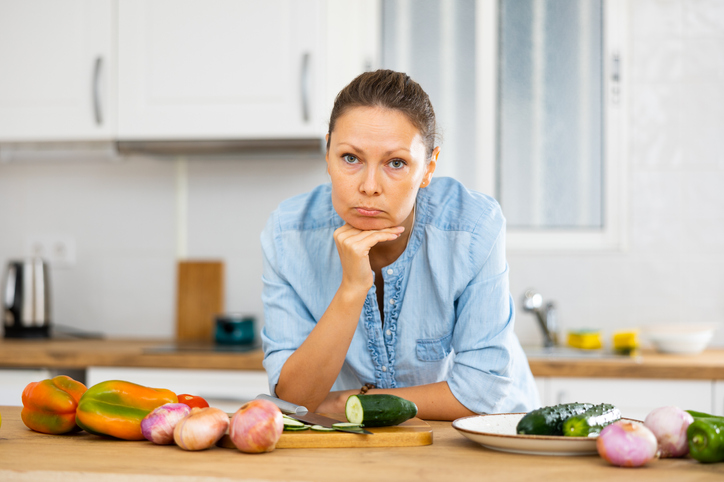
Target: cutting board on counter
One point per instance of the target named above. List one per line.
(199, 298)
(413, 432)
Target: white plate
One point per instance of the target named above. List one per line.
(497, 432)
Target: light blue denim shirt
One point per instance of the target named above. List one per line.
(448, 313)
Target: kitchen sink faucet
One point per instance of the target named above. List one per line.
(545, 314)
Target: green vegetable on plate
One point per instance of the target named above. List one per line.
(591, 422)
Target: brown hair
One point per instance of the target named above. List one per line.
(391, 90)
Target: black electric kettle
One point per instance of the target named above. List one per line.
(26, 299)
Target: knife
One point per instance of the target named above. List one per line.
(301, 413)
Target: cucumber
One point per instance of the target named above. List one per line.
(590, 422)
(549, 420)
(322, 428)
(378, 410)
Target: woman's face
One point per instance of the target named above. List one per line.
(377, 163)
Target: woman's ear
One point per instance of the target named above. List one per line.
(430, 169)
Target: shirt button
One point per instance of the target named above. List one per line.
(384, 369)
(392, 302)
(390, 271)
(388, 332)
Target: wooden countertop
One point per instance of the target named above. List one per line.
(27, 455)
(79, 354)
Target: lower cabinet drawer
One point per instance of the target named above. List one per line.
(13, 381)
(634, 397)
(224, 389)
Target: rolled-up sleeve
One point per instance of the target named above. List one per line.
(490, 373)
(287, 321)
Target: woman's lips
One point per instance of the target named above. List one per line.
(368, 211)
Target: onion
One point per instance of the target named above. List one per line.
(626, 444)
(201, 428)
(158, 425)
(256, 427)
(669, 425)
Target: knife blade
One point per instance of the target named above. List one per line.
(301, 413)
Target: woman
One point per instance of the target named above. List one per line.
(386, 281)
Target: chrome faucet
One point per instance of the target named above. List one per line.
(546, 315)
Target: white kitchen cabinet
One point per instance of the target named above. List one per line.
(14, 381)
(221, 69)
(634, 397)
(57, 80)
(224, 389)
(718, 408)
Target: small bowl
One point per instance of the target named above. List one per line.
(680, 339)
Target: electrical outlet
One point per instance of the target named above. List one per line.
(56, 249)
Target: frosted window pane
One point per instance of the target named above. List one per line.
(433, 41)
(550, 150)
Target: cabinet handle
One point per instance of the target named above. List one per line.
(97, 111)
(305, 86)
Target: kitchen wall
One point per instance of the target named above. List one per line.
(122, 214)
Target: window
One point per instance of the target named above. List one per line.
(528, 97)
(551, 120)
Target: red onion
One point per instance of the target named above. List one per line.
(669, 425)
(627, 444)
(256, 427)
(158, 425)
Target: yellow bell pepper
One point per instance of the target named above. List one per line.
(115, 408)
(49, 405)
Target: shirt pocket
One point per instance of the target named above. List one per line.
(433, 349)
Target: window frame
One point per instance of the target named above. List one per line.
(613, 236)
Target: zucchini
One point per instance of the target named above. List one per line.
(549, 420)
(378, 410)
(591, 422)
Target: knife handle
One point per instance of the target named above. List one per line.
(284, 406)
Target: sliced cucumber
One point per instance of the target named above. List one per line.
(290, 422)
(295, 428)
(379, 410)
(346, 425)
(322, 428)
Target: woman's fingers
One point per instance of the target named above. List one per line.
(353, 246)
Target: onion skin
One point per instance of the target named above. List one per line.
(159, 424)
(669, 425)
(256, 427)
(627, 444)
(201, 428)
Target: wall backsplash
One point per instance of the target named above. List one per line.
(122, 215)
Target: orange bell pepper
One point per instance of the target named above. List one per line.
(115, 408)
(49, 405)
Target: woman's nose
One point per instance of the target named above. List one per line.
(370, 184)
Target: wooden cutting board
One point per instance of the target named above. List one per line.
(411, 433)
(199, 298)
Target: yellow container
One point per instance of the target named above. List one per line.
(626, 341)
(585, 339)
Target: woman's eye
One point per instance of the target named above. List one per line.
(350, 159)
(397, 163)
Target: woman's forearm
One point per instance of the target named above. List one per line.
(310, 372)
(434, 401)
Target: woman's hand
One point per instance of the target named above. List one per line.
(353, 246)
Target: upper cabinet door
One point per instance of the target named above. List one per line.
(57, 74)
(220, 69)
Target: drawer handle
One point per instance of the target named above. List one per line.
(97, 110)
(305, 86)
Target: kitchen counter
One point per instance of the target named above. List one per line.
(80, 354)
(116, 352)
(27, 455)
